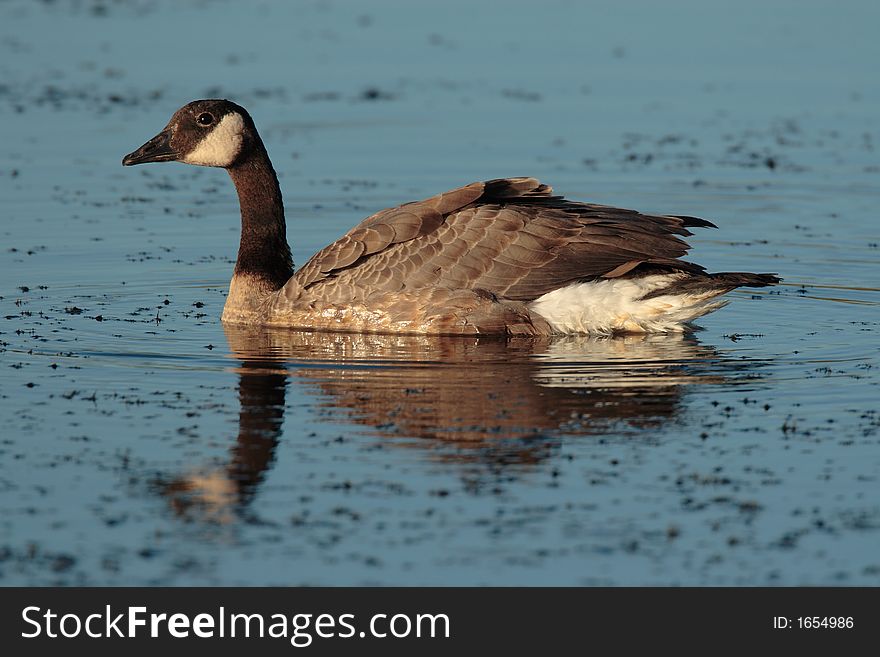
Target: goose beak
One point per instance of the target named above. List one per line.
(158, 149)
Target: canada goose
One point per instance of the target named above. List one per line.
(501, 257)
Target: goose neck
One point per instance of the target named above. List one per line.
(263, 252)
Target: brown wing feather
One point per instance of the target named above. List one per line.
(509, 236)
(383, 229)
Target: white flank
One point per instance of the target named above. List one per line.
(615, 305)
(220, 146)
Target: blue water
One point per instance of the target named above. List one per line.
(142, 443)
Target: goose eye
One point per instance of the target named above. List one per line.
(205, 118)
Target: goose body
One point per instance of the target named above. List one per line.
(501, 257)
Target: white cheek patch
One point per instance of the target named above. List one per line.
(221, 146)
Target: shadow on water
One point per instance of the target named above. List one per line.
(484, 405)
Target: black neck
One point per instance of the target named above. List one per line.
(263, 252)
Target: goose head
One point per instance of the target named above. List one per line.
(209, 133)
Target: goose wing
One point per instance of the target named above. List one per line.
(510, 236)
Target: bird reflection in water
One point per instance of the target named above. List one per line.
(477, 403)
(216, 493)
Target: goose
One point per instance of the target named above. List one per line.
(502, 257)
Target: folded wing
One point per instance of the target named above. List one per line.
(509, 236)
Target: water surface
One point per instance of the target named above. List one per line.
(145, 443)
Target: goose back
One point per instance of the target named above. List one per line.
(511, 237)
